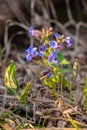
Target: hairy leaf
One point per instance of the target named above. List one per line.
(26, 91)
(10, 78)
(62, 60)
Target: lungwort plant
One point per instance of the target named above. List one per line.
(50, 55)
(13, 86)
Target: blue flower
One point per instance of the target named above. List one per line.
(53, 44)
(41, 53)
(34, 52)
(52, 59)
(55, 54)
(57, 35)
(28, 57)
(43, 47)
(29, 49)
(32, 31)
(69, 41)
(31, 52)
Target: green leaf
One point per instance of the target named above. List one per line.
(72, 122)
(49, 82)
(26, 91)
(64, 71)
(60, 56)
(64, 82)
(52, 85)
(44, 61)
(55, 66)
(64, 62)
(62, 59)
(10, 78)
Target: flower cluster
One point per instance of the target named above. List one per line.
(33, 32)
(49, 49)
(47, 73)
(31, 52)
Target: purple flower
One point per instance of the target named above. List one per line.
(53, 44)
(49, 75)
(59, 46)
(31, 52)
(69, 41)
(57, 35)
(32, 31)
(53, 56)
(50, 58)
(44, 72)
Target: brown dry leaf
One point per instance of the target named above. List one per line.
(70, 110)
(62, 104)
(10, 122)
(5, 126)
(31, 126)
(61, 124)
(39, 113)
(80, 123)
(59, 102)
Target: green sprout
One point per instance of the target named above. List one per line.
(12, 84)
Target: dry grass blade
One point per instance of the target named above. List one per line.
(4, 96)
(53, 10)
(70, 110)
(84, 2)
(69, 13)
(15, 7)
(75, 121)
(7, 41)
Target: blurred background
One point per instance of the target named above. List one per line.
(65, 16)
